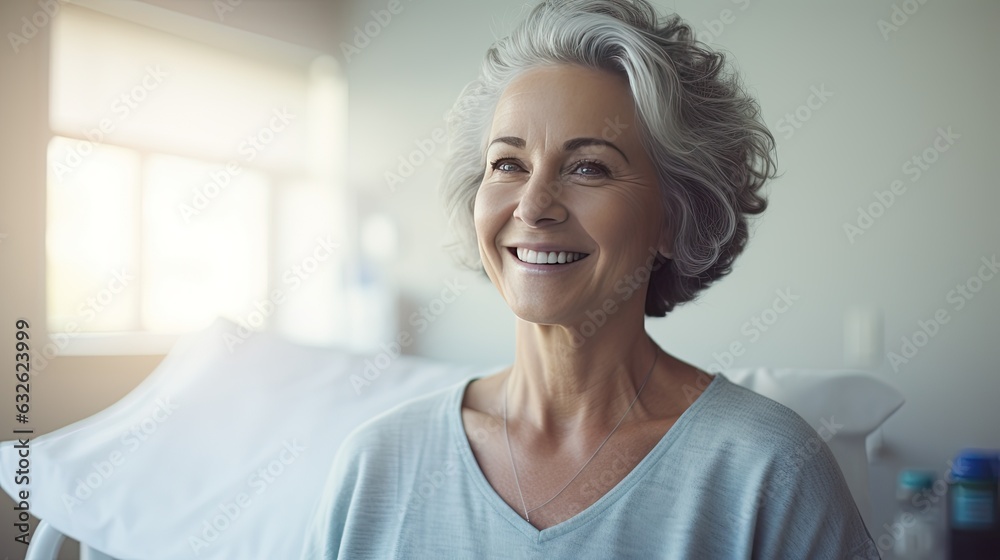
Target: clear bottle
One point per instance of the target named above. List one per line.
(918, 527)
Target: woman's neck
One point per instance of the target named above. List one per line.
(562, 382)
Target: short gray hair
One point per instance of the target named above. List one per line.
(700, 127)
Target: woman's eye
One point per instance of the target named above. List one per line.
(591, 169)
(504, 166)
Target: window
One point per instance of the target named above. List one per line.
(193, 172)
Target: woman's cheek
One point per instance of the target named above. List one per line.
(486, 230)
(479, 216)
(487, 213)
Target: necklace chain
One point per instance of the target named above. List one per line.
(527, 511)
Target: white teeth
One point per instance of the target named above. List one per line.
(553, 257)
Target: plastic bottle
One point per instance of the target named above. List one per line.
(917, 527)
(973, 518)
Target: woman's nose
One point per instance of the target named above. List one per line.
(540, 202)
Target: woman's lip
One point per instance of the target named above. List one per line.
(537, 249)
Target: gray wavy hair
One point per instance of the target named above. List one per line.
(701, 129)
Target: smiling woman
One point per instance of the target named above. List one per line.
(603, 154)
(555, 186)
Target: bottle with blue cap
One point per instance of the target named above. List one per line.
(973, 511)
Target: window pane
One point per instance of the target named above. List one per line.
(205, 243)
(91, 237)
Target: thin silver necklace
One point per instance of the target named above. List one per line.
(527, 511)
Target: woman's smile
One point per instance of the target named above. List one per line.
(546, 257)
(534, 262)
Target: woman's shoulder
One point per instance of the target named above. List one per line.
(759, 424)
(766, 447)
(415, 420)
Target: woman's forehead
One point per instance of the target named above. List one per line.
(568, 85)
(566, 100)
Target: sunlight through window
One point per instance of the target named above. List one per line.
(191, 176)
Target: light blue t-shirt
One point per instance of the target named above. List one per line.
(737, 476)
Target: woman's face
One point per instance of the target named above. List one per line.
(566, 172)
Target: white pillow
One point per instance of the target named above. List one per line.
(186, 448)
(844, 407)
(243, 440)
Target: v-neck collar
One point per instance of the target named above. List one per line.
(592, 511)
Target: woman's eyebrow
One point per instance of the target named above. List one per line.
(569, 146)
(576, 143)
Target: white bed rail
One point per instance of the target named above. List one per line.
(45, 543)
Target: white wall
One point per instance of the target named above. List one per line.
(889, 97)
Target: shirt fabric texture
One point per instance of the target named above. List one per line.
(737, 476)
